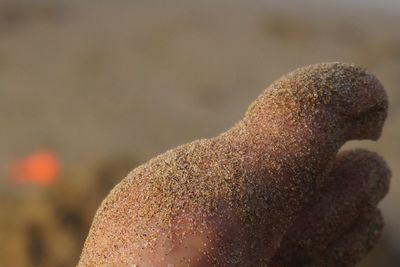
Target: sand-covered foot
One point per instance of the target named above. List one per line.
(232, 199)
(359, 179)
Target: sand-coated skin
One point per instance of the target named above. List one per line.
(250, 196)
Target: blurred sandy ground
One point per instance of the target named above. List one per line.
(109, 84)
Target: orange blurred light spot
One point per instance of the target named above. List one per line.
(42, 168)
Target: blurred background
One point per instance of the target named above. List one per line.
(91, 89)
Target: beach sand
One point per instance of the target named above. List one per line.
(98, 80)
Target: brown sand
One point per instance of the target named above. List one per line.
(342, 209)
(242, 190)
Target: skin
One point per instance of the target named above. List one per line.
(272, 190)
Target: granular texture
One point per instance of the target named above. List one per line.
(230, 200)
